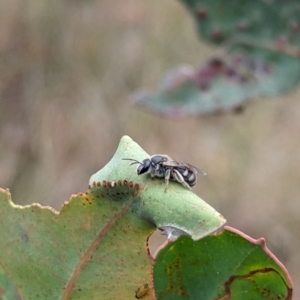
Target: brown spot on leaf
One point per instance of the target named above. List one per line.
(202, 13)
(87, 200)
(238, 109)
(174, 274)
(229, 282)
(217, 35)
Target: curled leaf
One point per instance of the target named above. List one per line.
(175, 210)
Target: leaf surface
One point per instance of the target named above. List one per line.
(93, 248)
(174, 207)
(262, 41)
(228, 265)
(96, 246)
(275, 23)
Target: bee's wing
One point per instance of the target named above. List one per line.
(179, 164)
(199, 171)
(173, 163)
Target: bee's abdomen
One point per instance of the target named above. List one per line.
(189, 177)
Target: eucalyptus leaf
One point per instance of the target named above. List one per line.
(228, 265)
(96, 246)
(262, 44)
(175, 209)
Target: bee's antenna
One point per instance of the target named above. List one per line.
(134, 161)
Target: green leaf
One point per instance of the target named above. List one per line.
(271, 22)
(262, 40)
(223, 85)
(228, 265)
(96, 246)
(166, 208)
(7, 289)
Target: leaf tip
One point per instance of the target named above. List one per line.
(126, 139)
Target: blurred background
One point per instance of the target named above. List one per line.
(67, 72)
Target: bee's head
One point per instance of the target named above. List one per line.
(144, 166)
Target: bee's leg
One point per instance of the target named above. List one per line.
(178, 177)
(167, 177)
(152, 173)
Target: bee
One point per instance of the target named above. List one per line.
(163, 166)
(142, 291)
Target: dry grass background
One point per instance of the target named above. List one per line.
(67, 69)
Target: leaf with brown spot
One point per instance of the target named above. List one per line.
(262, 41)
(95, 247)
(225, 266)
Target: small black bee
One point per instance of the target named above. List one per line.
(163, 166)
